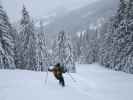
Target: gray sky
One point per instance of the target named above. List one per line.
(39, 8)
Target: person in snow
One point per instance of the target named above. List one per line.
(58, 73)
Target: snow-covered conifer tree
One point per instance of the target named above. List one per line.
(121, 13)
(60, 54)
(70, 62)
(42, 51)
(6, 42)
(119, 39)
(63, 52)
(27, 43)
(89, 48)
(79, 47)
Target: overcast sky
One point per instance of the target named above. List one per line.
(39, 8)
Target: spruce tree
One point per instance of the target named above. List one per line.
(42, 51)
(27, 43)
(119, 39)
(120, 13)
(79, 47)
(70, 62)
(6, 42)
(63, 52)
(60, 49)
(89, 47)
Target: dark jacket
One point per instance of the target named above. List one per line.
(57, 71)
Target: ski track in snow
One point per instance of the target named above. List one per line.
(93, 82)
(81, 84)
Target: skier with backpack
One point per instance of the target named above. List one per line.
(58, 71)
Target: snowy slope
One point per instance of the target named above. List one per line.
(93, 82)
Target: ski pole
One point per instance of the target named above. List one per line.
(46, 78)
(72, 77)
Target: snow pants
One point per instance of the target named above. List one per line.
(61, 81)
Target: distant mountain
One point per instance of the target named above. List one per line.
(51, 16)
(89, 16)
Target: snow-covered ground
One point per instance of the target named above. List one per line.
(93, 82)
